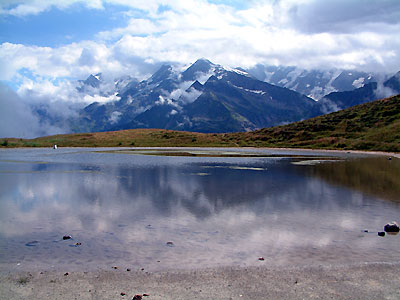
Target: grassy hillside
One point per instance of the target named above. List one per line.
(370, 126)
(122, 138)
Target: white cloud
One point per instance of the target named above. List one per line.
(267, 32)
(21, 8)
(17, 119)
(101, 99)
(307, 34)
(115, 116)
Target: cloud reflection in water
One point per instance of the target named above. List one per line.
(124, 213)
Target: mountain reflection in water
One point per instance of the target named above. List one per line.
(217, 211)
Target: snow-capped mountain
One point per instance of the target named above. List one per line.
(371, 91)
(205, 97)
(313, 83)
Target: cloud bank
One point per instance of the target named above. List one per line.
(356, 34)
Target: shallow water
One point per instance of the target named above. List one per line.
(290, 207)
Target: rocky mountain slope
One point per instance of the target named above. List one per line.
(205, 98)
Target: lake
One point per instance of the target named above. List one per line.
(160, 209)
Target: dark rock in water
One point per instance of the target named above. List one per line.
(261, 258)
(381, 233)
(392, 227)
(137, 297)
(123, 294)
(170, 244)
(66, 274)
(365, 230)
(128, 270)
(32, 244)
(389, 158)
(67, 237)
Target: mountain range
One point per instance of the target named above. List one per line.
(205, 98)
(210, 98)
(313, 83)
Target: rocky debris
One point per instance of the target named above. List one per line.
(392, 227)
(67, 237)
(137, 297)
(381, 233)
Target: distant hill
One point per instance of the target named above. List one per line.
(370, 126)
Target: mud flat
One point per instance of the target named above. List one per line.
(362, 281)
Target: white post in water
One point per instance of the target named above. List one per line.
(55, 147)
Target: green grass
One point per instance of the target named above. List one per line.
(371, 126)
(23, 280)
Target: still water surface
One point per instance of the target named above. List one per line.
(290, 207)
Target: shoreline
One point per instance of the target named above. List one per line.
(361, 281)
(377, 153)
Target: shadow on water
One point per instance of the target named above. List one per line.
(376, 176)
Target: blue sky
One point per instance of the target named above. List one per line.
(55, 27)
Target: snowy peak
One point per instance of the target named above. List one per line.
(313, 83)
(92, 80)
(198, 70)
(164, 72)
